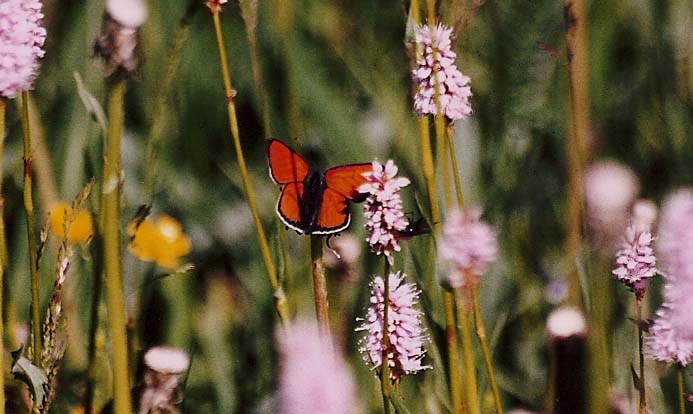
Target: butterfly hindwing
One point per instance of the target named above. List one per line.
(288, 206)
(341, 186)
(286, 166)
(346, 179)
(334, 213)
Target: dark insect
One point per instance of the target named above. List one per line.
(416, 228)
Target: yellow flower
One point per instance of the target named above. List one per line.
(162, 241)
(80, 230)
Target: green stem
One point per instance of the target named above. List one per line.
(280, 302)
(481, 334)
(385, 362)
(679, 382)
(319, 285)
(576, 15)
(453, 353)
(396, 400)
(97, 288)
(2, 259)
(111, 246)
(467, 355)
(431, 12)
(455, 169)
(641, 354)
(450, 332)
(29, 208)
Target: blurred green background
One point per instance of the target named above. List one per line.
(336, 77)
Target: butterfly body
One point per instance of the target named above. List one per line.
(312, 201)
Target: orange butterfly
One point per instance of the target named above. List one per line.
(313, 202)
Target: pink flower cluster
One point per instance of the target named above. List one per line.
(671, 334)
(21, 39)
(313, 377)
(635, 262)
(405, 333)
(438, 58)
(383, 208)
(469, 245)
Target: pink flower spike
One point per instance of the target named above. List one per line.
(635, 262)
(468, 245)
(406, 335)
(383, 208)
(21, 39)
(314, 379)
(671, 333)
(453, 87)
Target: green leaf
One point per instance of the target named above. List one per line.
(637, 382)
(25, 370)
(91, 104)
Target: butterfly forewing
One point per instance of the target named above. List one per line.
(346, 179)
(286, 166)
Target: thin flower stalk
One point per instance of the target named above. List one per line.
(470, 383)
(111, 246)
(448, 305)
(117, 43)
(319, 285)
(2, 256)
(385, 366)
(481, 334)
(575, 13)
(575, 16)
(280, 301)
(480, 331)
(642, 403)
(455, 168)
(451, 333)
(30, 220)
(680, 389)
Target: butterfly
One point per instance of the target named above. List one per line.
(312, 201)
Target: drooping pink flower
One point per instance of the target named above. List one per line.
(468, 245)
(129, 13)
(635, 261)
(21, 39)
(671, 334)
(313, 378)
(453, 87)
(566, 322)
(162, 391)
(406, 335)
(644, 214)
(383, 208)
(610, 189)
